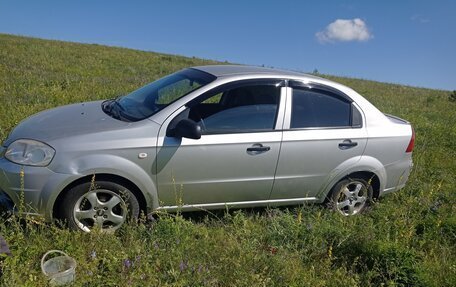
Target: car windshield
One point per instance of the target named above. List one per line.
(152, 98)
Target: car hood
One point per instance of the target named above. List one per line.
(70, 120)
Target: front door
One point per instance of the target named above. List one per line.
(235, 159)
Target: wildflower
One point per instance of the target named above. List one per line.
(182, 266)
(93, 254)
(330, 249)
(4, 249)
(127, 263)
(273, 250)
(435, 207)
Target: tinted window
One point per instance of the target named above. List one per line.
(357, 120)
(239, 109)
(313, 109)
(249, 117)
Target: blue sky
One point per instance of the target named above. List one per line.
(406, 42)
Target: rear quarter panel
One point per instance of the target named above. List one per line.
(387, 143)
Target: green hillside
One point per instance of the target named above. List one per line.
(407, 238)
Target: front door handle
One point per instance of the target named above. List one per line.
(346, 144)
(257, 148)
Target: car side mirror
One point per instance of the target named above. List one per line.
(185, 128)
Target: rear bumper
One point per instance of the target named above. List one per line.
(397, 174)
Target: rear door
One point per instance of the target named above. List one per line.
(323, 135)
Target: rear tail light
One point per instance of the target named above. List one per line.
(412, 142)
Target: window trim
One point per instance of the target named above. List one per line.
(233, 85)
(315, 86)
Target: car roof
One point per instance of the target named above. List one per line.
(228, 73)
(237, 70)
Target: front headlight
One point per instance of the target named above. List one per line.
(29, 152)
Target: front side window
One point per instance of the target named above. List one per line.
(318, 109)
(155, 96)
(245, 108)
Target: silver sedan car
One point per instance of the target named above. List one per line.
(205, 138)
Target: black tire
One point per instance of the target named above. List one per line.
(102, 204)
(350, 196)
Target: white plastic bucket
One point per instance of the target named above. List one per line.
(60, 270)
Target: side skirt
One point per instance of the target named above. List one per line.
(239, 204)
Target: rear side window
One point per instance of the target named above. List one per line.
(318, 109)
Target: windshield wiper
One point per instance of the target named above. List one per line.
(114, 109)
(105, 106)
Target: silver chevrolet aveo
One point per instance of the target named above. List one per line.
(205, 138)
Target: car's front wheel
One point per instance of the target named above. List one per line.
(102, 205)
(350, 196)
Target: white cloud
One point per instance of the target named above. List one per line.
(345, 30)
(420, 19)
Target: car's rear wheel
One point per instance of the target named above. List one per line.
(350, 196)
(100, 205)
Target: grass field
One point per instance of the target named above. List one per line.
(406, 239)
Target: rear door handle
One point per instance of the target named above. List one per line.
(346, 144)
(257, 148)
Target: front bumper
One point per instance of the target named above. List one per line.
(31, 190)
